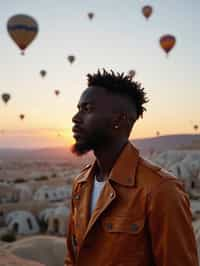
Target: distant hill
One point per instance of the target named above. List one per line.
(44, 154)
(168, 142)
(146, 145)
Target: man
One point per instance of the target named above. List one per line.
(125, 211)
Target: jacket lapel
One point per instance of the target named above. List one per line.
(108, 194)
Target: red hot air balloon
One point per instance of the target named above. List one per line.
(57, 92)
(21, 116)
(5, 97)
(90, 15)
(167, 42)
(131, 73)
(147, 11)
(71, 59)
(23, 30)
(43, 73)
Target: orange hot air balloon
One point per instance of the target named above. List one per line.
(23, 30)
(43, 73)
(90, 15)
(21, 116)
(71, 59)
(147, 11)
(167, 42)
(57, 92)
(5, 97)
(131, 73)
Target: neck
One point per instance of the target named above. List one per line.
(106, 157)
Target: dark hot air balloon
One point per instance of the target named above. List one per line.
(23, 30)
(57, 92)
(131, 73)
(167, 42)
(147, 11)
(157, 133)
(43, 73)
(21, 116)
(90, 15)
(5, 97)
(71, 59)
(196, 127)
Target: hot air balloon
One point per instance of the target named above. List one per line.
(43, 73)
(5, 97)
(131, 73)
(21, 116)
(157, 133)
(90, 15)
(167, 42)
(23, 30)
(147, 11)
(57, 92)
(2, 132)
(196, 127)
(71, 59)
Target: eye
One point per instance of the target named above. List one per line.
(85, 108)
(88, 107)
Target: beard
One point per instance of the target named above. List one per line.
(80, 149)
(96, 140)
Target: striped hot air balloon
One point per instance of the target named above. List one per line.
(23, 30)
(167, 42)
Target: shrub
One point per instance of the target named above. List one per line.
(41, 178)
(8, 237)
(20, 180)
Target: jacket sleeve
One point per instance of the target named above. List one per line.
(70, 249)
(170, 226)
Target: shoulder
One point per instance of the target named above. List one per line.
(152, 175)
(81, 176)
(83, 171)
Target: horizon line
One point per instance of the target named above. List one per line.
(68, 148)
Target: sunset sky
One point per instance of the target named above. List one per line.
(118, 38)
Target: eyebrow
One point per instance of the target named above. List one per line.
(84, 104)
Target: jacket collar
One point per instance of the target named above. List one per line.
(123, 171)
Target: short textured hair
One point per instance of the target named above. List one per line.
(122, 85)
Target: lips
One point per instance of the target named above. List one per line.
(77, 131)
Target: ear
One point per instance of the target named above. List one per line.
(120, 120)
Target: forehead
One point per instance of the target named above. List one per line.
(96, 96)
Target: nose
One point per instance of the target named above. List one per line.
(76, 119)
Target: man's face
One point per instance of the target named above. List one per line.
(93, 122)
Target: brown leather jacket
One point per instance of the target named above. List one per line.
(142, 218)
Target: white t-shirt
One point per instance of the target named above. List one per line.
(97, 188)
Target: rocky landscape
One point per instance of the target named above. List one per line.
(35, 204)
